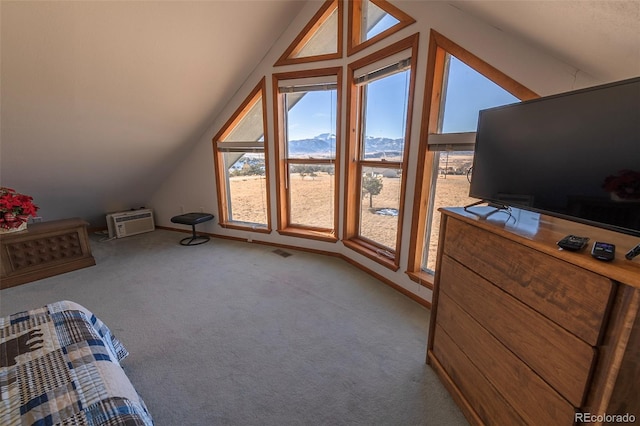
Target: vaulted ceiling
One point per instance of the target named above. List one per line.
(601, 38)
(100, 100)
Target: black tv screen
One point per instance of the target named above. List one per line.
(575, 155)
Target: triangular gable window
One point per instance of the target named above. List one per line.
(373, 20)
(321, 38)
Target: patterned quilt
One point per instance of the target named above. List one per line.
(60, 365)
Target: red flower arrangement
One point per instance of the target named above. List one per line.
(626, 184)
(15, 208)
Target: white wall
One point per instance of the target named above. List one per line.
(192, 184)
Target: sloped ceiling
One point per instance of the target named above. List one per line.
(100, 100)
(598, 37)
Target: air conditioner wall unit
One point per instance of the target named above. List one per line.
(125, 224)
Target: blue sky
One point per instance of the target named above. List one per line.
(313, 115)
(386, 106)
(467, 93)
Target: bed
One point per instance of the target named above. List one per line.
(59, 364)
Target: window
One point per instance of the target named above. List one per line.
(381, 93)
(307, 128)
(321, 38)
(373, 20)
(456, 92)
(465, 93)
(241, 166)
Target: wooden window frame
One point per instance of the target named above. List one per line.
(287, 58)
(285, 227)
(256, 95)
(353, 180)
(354, 44)
(439, 46)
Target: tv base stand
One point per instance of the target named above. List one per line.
(499, 208)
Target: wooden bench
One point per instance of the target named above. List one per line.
(43, 250)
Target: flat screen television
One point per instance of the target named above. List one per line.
(574, 155)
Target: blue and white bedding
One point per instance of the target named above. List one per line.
(61, 365)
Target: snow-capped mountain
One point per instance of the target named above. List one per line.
(318, 146)
(324, 144)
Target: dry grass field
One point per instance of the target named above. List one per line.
(248, 199)
(451, 191)
(312, 204)
(313, 198)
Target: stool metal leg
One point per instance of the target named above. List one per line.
(189, 241)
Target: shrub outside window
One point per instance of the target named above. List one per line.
(380, 102)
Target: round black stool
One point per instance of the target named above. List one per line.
(193, 219)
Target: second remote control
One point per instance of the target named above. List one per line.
(633, 252)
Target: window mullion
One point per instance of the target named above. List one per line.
(363, 123)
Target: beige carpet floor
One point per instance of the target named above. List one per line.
(231, 333)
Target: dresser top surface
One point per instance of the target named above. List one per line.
(45, 227)
(542, 232)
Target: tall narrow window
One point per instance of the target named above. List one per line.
(381, 93)
(307, 107)
(241, 166)
(465, 92)
(459, 90)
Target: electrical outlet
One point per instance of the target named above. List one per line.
(181, 209)
(201, 209)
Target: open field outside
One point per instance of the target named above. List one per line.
(313, 200)
(313, 204)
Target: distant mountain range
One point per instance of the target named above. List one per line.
(324, 144)
(318, 146)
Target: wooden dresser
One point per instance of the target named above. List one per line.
(43, 250)
(524, 333)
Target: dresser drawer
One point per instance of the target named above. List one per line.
(530, 396)
(478, 391)
(560, 358)
(574, 298)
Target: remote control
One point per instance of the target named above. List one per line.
(633, 252)
(573, 242)
(603, 251)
